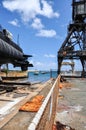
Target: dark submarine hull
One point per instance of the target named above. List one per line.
(10, 52)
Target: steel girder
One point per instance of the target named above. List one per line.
(74, 46)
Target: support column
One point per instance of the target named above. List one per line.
(59, 64)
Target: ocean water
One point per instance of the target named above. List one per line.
(41, 77)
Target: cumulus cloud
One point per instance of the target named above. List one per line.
(47, 10)
(46, 33)
(14, 22)
(42, 66)
(37, 24)
(50, 55)
(29, 9)
(39, 63)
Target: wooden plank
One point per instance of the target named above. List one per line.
(15, 83)
(5, 98)
(2, 92)
(10, 110)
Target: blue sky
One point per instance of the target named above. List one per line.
(41, 26)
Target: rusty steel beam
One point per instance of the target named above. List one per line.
(74, 45)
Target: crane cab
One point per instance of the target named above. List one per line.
(79, 10)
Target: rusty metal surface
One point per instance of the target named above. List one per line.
(74, 45)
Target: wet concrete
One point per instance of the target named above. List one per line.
(71, 109)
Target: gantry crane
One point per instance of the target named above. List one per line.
(72, 64)
(74, 46)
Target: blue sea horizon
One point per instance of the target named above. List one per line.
(41, 77)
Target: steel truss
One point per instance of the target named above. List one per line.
(74, 46)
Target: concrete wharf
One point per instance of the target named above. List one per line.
(65, 103)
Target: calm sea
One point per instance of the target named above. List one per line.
(40, 77)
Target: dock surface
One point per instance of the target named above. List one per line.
(71, 109)
(20, 120)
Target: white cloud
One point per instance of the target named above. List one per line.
(29, 9)
(38, 63)
(50, 55)
(64, 25)
(31, 61)
(52, 65)
(47, 10)
(14, 22)
(42, 66)
(46, 33)
(37, 24)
